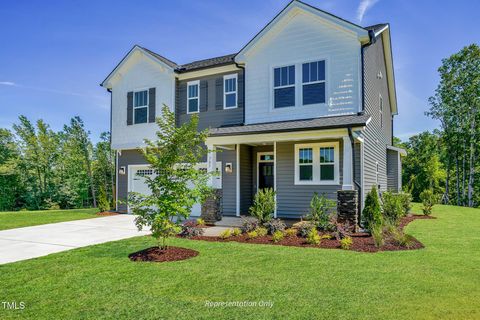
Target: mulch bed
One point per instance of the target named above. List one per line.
(107, 213)
(154, 254)
(362, 242)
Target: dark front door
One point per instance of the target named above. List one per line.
(265, 175)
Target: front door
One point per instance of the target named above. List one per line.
(265, 175)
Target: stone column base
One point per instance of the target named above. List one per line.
(347, 209)
(212, 207)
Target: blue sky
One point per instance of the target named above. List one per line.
(54, 54)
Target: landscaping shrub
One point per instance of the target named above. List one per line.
(261, 231)
(250, 224)
(102, 201)
(277, 236)
(428, 200)
(392, 207)
(263, 205)
(320, 211)
(200, 222)
(377, 234)
(341, 231)
(252, 234)
(406, 199)
(303, 227)
(346, 243)
(326, 236)
(403, 239)
(236, 232)
(226, 234)
(275, 225)
(190, 228)
(313, 237)
(372, 213)
(291, 232)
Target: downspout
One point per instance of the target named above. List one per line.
(243, 92)
(358, 185)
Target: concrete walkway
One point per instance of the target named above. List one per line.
(31, 242)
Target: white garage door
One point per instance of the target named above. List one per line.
(137, 183)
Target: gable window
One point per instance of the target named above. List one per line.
(313, 82)
(284, 86)
(140, 106)
(380, 102)
(317, 163)
(193, 96)
(230, 91)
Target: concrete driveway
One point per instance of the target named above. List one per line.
(31, 242)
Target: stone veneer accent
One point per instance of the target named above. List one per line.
(347, 208)
(212, 207)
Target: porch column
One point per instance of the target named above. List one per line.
(347, 164)
(237, 181)
(211, 163)
(275, 176)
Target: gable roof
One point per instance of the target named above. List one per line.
(207, 63)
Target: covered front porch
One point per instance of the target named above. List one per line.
(295, 163)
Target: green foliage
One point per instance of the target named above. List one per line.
(274, 225)
(303, 227)
(377, 234)
(249, 224)
(346, 243)
(103, 203)
(393, 208)
(252, 234)
(236, 232)
(177, 187)
(291, 232)
(227, 233)
(200, 222)
(429, 199)
(190, 228)
(406, 200)
(313, 237)
(263, 205)
(278, 236)
(262, 232)
(320, 211)
(372, 212)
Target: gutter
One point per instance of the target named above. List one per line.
(358, 185)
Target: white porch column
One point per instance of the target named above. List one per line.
(347, 164)
(275, 176)
(211, 163)
(237, 181)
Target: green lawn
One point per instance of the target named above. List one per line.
(441, 281)
(18, 219)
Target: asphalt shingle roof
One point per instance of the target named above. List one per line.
(206, 63)
(295, 125)
(376, 27)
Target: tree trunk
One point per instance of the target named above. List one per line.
(457, 169)
(446, 199)
(472, 162)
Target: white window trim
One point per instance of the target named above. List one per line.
(316, 164)
(259, 154)
(193, 83)
(226, 77)
(313, 82)
(140, 107)
(380, 106)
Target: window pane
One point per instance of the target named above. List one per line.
(193, 105)
(321, 70)
(327, 172)
(276, 76)
(141, 115)
(305, 155)
(230, 100)
(284, 97)
(327, 155)
(314, 93)
(193, 91)
(305, 72)
(284, 79)
(313, 71)
(140, 99)
(291, 75)
(306, 172)
(234, 84)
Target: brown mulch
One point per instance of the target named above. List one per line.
(155, 254)
(362, 242)
(107, 213)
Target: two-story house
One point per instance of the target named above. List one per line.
(306, 106)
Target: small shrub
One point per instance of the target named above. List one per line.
(189, 229)
(236, 232)
(377, 234)
(277, 236)
(313, 237)
(392, 206)
(263, 205)
(291, 232)
(262, 232)
(404, 240)
(372, 212)
(320, 210)
(102, 201)
(200, 222)
(275, 225)
(303, 227)
(406, 199)
(428, 200)
(250, 224)
(226, 234)
(326, 236)
(252, 234)
(346, 243)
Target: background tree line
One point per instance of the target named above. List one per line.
(447, 160)
(44, 169)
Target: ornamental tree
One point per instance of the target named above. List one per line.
(177, 184)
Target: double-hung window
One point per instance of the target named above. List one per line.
(193, 96)
(140, 106)
(230, 91)
(284, 86)
(317, 163)
(313, 82)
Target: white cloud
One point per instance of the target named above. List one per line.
(7, 83)
(363, 7)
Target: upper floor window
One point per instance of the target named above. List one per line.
(230, 91)
(380, 102)
(193, 96)
(313, 82)
(317, 163)
(140, 106)
(284, 86)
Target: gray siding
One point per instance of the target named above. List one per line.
(377, 137)
(246, 176)
(392, 170)
(293, 200)
(212, 114)
(128, 157)
(357, 163)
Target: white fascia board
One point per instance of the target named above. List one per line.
(387, 49)
(207, 71)
(401, 151)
